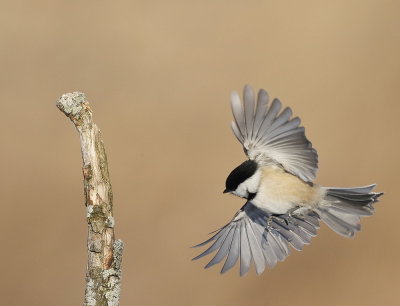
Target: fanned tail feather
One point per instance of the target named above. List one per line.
(342, 208)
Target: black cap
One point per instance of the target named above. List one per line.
(240, 174)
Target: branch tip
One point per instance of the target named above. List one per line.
(71, 104)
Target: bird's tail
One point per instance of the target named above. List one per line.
(342, 208)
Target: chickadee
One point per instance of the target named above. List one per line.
(283, 205)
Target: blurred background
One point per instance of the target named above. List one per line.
(158, 75)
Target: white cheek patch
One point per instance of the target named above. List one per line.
(254, 182)
(250, 185)
(241, 191)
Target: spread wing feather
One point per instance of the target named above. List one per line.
(256, 236)
(269, 135)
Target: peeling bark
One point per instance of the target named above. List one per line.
(103, 275)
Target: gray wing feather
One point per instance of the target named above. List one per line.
(294, 226)
(258, 256)
(217, 234)
(281, 241)
(269, 253)
(245, 253)
(294, 240)
(233, 251)
(261, 109)
(282, 118)
(254, 235)
(269, 118)
(223, 250)
(236, 131)
(280, 251)
(259, 226)
(290, 125)
(248, 101)
(217, 244)
(238, 114)
(268, 135)
(312, 218)
(311, 230)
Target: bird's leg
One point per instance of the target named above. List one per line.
(289, 217)
(272, 218)
(269, 222)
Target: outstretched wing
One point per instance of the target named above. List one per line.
(268, 135)
(254, 235)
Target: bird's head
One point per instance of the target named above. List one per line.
(244, 180)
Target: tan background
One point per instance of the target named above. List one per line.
(159, 75)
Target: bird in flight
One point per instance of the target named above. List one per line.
(283, 206)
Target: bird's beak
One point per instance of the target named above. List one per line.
(226, 191)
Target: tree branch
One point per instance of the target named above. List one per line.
(103, 275)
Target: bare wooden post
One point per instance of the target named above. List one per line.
(103, 275)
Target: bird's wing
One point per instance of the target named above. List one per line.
(254, 235)
(270, 135)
